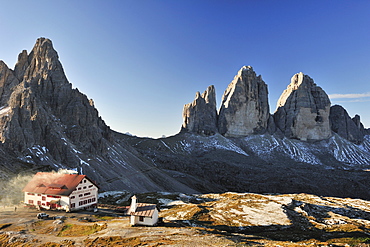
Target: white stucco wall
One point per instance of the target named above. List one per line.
(86, 193)
(148, 221)
(43, 200)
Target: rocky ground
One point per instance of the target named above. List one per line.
(105, 228)
(229, 219)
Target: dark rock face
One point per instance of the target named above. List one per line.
(200, 116)
(303, 110)
(357, 120)
(7, 82)
(271, 126)
(245, 108)
(302, 113)
(42, 108)
(268, 164)
(342, 124)
(45, 125)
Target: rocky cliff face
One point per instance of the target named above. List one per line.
(303, 110)
(200, 116)
(41, 108)
(45, 124)
(244, 109)
(349, 128)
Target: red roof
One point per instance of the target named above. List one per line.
(144, 209)
(54, 183)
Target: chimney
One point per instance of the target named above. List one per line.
(133, 204)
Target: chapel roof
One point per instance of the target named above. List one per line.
(144, 209)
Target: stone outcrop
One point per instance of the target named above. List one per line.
(200, 116)
(303, 110)
(7, 82)
(302, 113)
(245, 108)
(46, 125)
(39, 106)
(349, 128)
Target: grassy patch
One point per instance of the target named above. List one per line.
(51, 244)
(349, 241)
(113, 241)
(344, 228)
(72, 230)
(40, 224)
(99, 217)
(181, 212)
(133, 241)
(4, 241)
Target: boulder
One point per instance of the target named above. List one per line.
(303, 110)
(200, 116)
(245, 108)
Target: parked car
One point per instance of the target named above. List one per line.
(42, 216)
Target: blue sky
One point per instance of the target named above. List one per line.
(142, 60)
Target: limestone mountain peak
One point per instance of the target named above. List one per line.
(303, 110)
(200, 116)
(244, 109)
(40, 100)
(245, 68)
(44, 47)
(46, 124)
(298, 81)
(349, 128)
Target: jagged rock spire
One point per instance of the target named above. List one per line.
(200, 116)
(342, 124)
(245, 108)
(303, 110)
(43, 109)
(7, 81)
